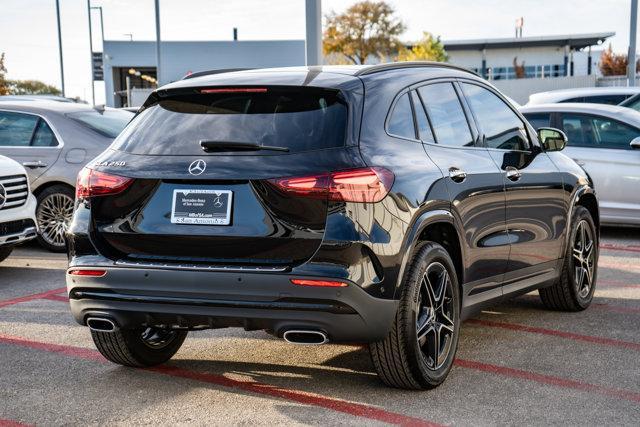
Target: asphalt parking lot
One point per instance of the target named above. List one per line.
(517, 363)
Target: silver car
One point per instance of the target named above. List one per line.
(53, 141)
(605, 141)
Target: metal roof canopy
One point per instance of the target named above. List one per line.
(574, 41)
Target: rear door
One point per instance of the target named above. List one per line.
(29, 140)
(601, 146)
(475, 186)
(226, 175)
(536, 209)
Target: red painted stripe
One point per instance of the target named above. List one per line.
(26, 298)
(544, 331)
(618, 265)
(614, 247)
(10, 423)
(351, 408)
(56, 297)
(550, 380)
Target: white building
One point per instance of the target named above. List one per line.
(545, 56)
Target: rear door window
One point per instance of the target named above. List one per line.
(422, 122)
(16, 129)
(44, 136)
(585, 130)
(449, 122)
(401, 119)
(296, 119)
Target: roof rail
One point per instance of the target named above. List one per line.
(387, 66)
(211, 72)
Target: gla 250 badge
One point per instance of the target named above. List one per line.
(119, 163)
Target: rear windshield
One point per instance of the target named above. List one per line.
(108, 122)
(299, 119)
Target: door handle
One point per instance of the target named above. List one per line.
(513, 174)
(457, 175)
(579, 162)
(34, 165)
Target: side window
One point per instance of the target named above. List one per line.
(613, 134)
(422, 122)
(44, 136)
(579, 130)
(502, 128)
(401, 120)
(447, 116)
(578, 99)
(538, 120)
(16, 129)
(606, 99)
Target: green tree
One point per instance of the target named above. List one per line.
(31, 87)
(4, 90)
(429, 48)
(367, 28)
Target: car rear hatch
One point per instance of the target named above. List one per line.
(196, 177)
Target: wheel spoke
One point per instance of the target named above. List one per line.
(435, 354)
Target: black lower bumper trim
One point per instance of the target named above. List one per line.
(321, 306)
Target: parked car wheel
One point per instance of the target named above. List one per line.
(5, 252)
(139, 347)
(54, 213)
(574, 291)
(419, 350)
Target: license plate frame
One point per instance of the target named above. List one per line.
(201, 206)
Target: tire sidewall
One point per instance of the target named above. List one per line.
(425, 255)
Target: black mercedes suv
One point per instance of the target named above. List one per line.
(375, 204)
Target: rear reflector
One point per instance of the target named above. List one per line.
(235, 90)
(93, 183)
(320, 283)
(363, 185)
(90, 273)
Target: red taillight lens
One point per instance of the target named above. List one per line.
(363, 185)
(89, 273)
(93, 183)
(320, 283)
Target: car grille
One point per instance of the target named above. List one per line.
(16, 190)
(15, 227)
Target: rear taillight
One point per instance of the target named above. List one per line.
(88, 273)
(94, 183)
(363, 185)
(319, 283)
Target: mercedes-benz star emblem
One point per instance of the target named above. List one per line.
(3, 196)
(197, 167)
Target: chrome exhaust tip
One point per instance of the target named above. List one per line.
(305, 337)
(101, 324)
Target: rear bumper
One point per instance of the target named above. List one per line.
(134, 297)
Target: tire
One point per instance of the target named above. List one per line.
(570, 292)
(54, 213)
(5, 252)
(127, 346)
(403, 359)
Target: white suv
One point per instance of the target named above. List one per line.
(17, 207)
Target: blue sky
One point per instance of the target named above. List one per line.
(28, 27)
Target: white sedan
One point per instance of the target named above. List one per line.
(17, 207)
(605, 141)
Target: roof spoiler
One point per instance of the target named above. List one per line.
(211, 72)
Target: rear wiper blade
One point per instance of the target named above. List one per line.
(213, 146)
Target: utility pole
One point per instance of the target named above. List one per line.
(93, 90)
(631, 57)
(158, 76)
(60, 46)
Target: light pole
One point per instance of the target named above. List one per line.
(631, 56)
(60, 46)
(158, 77)
(313, 15)
(89, 9)
(93, 89)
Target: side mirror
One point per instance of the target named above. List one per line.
(552, 139)
(635, 143)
